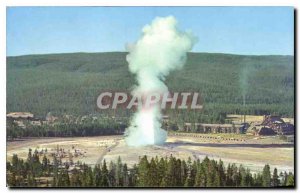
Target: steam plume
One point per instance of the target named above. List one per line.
(244, 82)
(161, 48)
(246, 70)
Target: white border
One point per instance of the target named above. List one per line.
(152, 3)
(3, 6)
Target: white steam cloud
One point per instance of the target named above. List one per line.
(161, 48)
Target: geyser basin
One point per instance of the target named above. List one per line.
(161, 48)
(147, 130)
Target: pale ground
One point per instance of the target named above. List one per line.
(253, 152)
(92, 148)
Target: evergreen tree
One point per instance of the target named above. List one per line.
(105, 178)
(284, 180)
(183, 171)
(211, 177)
(221, 173)
(161, 167)
(118, 173)
(97, 174)
(275, 178)
(258, 180)
(153, 175)
(229, 181)
(125, 176)
(188, 181)
(243, 174)
(170, 176)
(111, 174)
(290, 180)
(266, 176)
(143, 172)
(12, 181)
(236, 178)
(169, 172)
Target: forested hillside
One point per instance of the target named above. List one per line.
(70, 83)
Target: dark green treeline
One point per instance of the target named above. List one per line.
(156, 172)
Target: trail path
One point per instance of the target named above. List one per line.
(99, 160)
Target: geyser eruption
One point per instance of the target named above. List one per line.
(246, 70)
(161, 48)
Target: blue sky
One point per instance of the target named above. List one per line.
(238, 30)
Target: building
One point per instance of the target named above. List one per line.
(20, 118)
(272, 125)
(214, 128)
